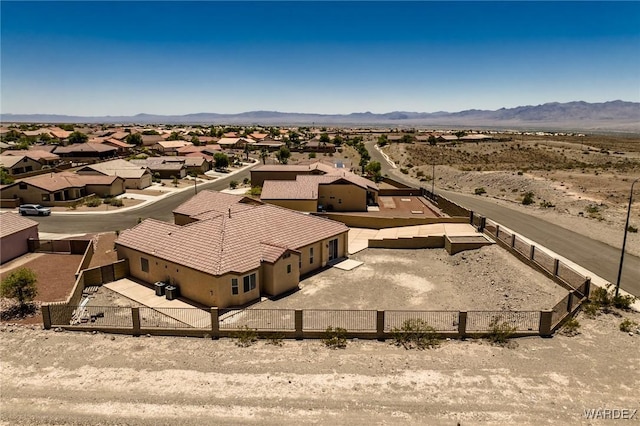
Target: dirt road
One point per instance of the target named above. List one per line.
(77, 378)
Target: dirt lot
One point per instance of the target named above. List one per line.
(80, 378)
(429, 279)
(578, 183)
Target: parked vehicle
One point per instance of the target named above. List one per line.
(34, 210)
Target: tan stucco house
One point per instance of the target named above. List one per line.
(227, 250)
(314, 187)
(134, 175)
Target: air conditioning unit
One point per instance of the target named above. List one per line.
(160, 288)
(172, 292)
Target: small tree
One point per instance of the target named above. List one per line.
(324, 137)
(195, 140)
(78, 137)
(20, 285)
(134, 139)
(221, 161)
(432, 140)
(373, 169)
(264, 154)
(283, 155)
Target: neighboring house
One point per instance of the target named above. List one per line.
(268, 144)
(39, 154)
(234, 143)
(86, 152)
(232, 250)
(15, 233)
(64, 188)
(17, 165)
(122, 148)
(150, 140)
(164, 167)
(343, 192)
(135, 176)
(170, 147)
(287, 172)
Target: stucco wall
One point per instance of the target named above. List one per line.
(14, 245)
(380, 222)
(342, 197)
(194, 285)
(116, 188)
(258, 177)
(275, 278)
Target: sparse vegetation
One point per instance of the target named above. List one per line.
(570, 327)
(416, 334)
(20, 285)
(602, 301)
(527, 199)
(335, 338)
(480, 191)
(245, 336)
(500, 331)
(92, 202)
(628, 325)
(632, 229)
(233, 184)
(276, 340)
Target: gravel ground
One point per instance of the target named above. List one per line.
(95, 379)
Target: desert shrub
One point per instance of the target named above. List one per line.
(312, 155)
(500, 332)
(591, 309)
(419, 173)
(632, 229)
(570, 327)
(415, 334)
(92, 202)
(255, 191)
(276, 340)
(520, 173)
(233, 184)
(116, 202)
(480, 191)
(335, 338)
(527, 199)
(592, 209)
(404, 171)
(623, 301)
(546, 204)
(174, 181)
(246, 181)
(245, 336)
(627, 325)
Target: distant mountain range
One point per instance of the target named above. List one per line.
(580, 116)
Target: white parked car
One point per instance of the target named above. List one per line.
(34, 210)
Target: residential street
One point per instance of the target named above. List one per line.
(600, 258)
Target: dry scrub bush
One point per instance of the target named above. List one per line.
(416, 334)
(335, 338)
(627, 325)
(500, 332)
(245, 336)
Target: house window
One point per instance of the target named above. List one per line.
(288, 268)
(144, 264)
(311, 255)
(45, 197)
(249, 282)
(22, 185)
(234, 286)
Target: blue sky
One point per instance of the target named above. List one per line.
(122, 58)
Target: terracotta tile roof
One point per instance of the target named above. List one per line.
(115, 142)
(90, 148)
(174, 144)
(9, 161)
(58, 181)
(119, 167)
(10, 223)
(213, 201)
(235, 242)
(228, 141)
(299, 189)
(120, 135)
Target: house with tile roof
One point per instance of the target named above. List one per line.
(228, 250)
(314, 187)
(135, 176)
(15, 233)
(65, 188)
(17, 165)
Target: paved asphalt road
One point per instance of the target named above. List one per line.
(598, 257)
(88, 223)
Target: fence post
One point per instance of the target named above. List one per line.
(532, 252)
(513, 240)
(462, 324)
(298, 323)
(556, 267)
(545, 323)
(215, 323)
(135, 316)
(570, 301)
(483, 223)
(471, 217)
(587, 287)
(380, 325)
(497, 230)
(46, 316)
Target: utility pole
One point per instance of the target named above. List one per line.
(624, 240)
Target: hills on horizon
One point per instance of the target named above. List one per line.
(616, 115)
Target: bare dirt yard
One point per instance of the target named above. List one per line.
(70, 378)
(580, 183)
(428, 279)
